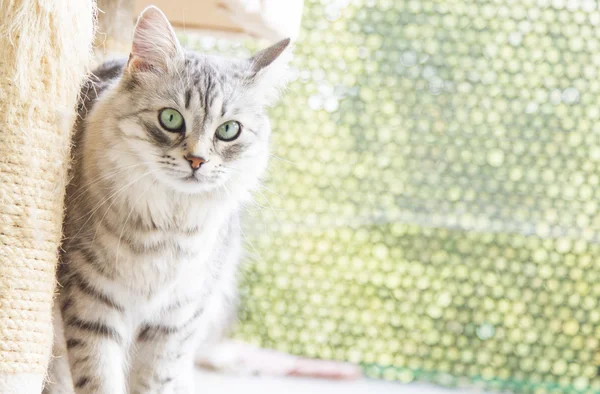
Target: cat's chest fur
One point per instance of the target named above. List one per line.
(156, 247)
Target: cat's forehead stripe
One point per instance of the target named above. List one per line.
(188, 97)
(209, 94)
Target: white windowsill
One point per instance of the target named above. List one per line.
(211, 382)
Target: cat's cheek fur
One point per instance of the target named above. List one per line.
(131, 130)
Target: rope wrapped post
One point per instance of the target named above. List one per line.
(44, 54)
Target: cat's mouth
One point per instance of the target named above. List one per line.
(192, 178)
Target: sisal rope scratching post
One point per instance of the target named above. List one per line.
(44, 53)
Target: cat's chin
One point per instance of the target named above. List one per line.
(192, 187)
(189, 185)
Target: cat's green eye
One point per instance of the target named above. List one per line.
(229, 131)
(171, 119)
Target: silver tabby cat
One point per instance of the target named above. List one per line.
(169, 145)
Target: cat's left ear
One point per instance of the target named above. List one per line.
(267, 56)
(269, 69)
(155, 46)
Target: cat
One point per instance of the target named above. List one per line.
(168, 147)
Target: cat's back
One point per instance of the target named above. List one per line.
(106, 75)
(99, 80)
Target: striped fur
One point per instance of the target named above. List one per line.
(151, 247)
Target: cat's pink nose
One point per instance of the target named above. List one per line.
(195, 161)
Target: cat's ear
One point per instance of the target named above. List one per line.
(155, 45)
(267, 56)
(269, 69)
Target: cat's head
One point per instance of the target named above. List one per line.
(197, 122)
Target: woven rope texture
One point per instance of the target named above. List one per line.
(41, 66)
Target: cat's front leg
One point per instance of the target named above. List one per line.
(96, 339)
(163, 359)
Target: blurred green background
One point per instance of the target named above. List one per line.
(431, 205)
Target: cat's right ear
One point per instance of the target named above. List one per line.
(155, 45)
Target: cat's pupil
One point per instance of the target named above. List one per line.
(171, 118)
